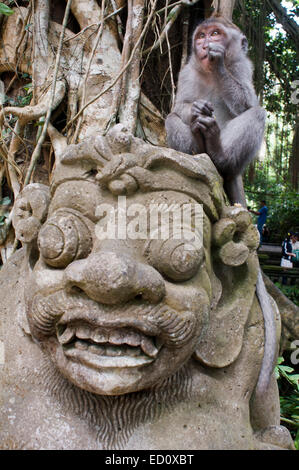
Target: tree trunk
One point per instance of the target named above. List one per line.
(224, 7)
(294, 158)
(289, 25)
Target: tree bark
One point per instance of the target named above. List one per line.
(294, 158)
(289, 25)
(224, 7)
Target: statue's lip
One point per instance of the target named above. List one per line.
(109, 320)
(107, 347)
(94, 361)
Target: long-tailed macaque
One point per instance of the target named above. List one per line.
(217, 112)
(216, 109)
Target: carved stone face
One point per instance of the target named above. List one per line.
(119, 314)
(114, 315)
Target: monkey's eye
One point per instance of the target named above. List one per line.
(201, 36)
(215, 33)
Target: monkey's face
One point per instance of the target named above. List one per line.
(204, 37)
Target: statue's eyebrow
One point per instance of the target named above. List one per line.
(94, 150)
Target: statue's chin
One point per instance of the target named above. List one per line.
(113, 371)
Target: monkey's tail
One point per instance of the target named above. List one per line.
(269, 358)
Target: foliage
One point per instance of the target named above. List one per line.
(4, 214)
(288, 383)
(283, 215)
(275, 62)
(283, 206)
(292, 292)
(5, 10)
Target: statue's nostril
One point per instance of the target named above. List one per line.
(76, 290)
(110, 278)
(138, 297)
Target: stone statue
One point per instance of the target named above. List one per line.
(140, 341)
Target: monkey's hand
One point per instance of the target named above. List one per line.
(201, 107)
(208, 128)
(216, 54)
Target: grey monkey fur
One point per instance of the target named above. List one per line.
(217, 112)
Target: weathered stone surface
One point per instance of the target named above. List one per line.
(133, 341)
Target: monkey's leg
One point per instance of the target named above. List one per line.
(241, 139)
(180, 137)
(235, 190)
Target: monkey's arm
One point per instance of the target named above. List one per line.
(186, 94)
(234, 80)
(180, 137)
(233, 147)
(236, 90)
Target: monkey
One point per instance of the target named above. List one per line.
(216, 111)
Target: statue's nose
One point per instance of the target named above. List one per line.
(112, 278)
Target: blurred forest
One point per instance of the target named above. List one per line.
(273, 33)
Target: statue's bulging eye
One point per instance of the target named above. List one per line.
(64, 238)
(178, 260)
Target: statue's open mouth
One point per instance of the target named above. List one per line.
(107, 347)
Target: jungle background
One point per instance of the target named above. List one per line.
(55, 83)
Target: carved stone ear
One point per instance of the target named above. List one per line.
(30, 210)
(235, 240)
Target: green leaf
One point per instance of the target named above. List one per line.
(39, 123)
(28, 86)
(5, 201)
(286, 369)
(5, 10)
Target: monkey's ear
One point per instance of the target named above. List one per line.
(244, 44)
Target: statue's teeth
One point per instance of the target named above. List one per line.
(148, 347)
(66, 336)
(81, 345)
(83, 332)
(116, 337)
(99, 336)
(132, 338)
(119, 338)
(100, 351)
(112, 351)
(132, 352)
